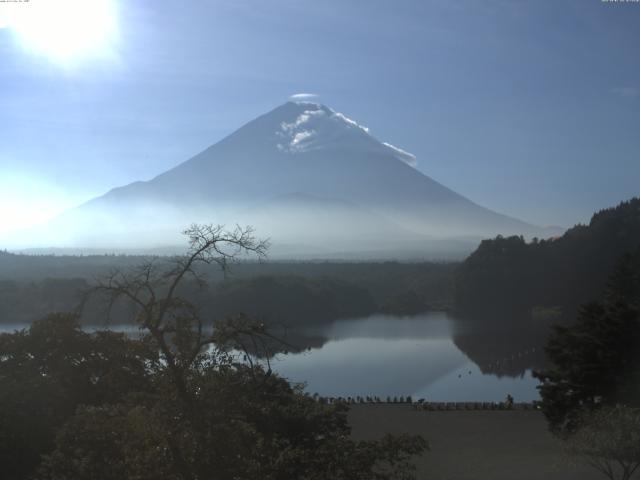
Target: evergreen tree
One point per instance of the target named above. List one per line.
(595, 361)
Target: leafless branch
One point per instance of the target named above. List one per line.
(174, 323)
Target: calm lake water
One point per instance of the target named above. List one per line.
(387, 355)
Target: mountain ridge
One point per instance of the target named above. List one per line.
(296, 148)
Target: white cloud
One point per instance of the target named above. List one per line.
(318, 127)
(406, 157)
(350, 122)
(303, 97)
(303, 118)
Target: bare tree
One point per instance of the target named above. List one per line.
(609, 441)
(170, 319)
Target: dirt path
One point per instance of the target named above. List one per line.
(474, 445)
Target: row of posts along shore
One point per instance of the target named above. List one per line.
(422, 404)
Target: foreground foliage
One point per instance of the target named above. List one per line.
(609, 441)
(596, 361)
(175, 403)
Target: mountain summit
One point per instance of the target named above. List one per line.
(315, 181)
(317, 127)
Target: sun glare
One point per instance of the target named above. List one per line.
(27, 202)
(62, 30)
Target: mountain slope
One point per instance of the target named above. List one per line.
(301, 149)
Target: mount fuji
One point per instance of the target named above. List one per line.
(313, 180)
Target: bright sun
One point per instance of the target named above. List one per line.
(63, 30)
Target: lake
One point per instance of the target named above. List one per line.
(388, 355)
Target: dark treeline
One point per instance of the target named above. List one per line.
(595, 360)
(509, 275)
(591, 389)
(289, 293)
(509, 294)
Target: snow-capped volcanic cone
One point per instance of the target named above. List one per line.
(304, 175)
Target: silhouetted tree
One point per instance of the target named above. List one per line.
(50, 369)
(609, 441)
(596, 361)
(178, 402)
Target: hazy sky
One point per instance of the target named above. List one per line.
(531, 108)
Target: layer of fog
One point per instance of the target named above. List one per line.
(298, 227)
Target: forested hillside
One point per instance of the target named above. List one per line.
(511, 275)
(291, 293)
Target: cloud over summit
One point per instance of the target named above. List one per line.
(303, 97)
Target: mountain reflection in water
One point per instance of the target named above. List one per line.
(431, 356)
(428, 356)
